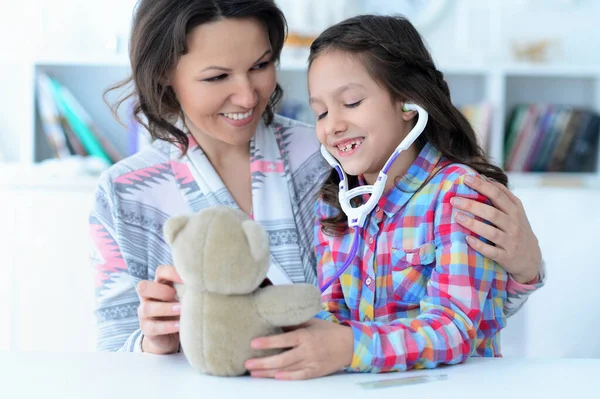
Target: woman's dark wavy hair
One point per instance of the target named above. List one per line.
(159, 38)
(396, 57)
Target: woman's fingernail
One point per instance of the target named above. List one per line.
(176, 325)
(177, 308)
(469, 179)
(460, 217)
(456, 201)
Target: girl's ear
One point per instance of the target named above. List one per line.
(407, 114)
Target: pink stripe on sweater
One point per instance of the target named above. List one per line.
(267, 167)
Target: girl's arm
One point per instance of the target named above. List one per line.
(452, 312)
(516, 247)
(334, 304)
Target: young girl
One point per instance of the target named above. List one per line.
(415, 295)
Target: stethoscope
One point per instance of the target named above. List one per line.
(357, 216)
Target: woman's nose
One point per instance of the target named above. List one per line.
(245, 95)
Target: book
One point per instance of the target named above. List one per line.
(551, 138)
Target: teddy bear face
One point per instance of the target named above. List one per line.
(219, 249)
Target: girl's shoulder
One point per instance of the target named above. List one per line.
(450, 181)
(454, 172)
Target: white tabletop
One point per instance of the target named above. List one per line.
(144, 376)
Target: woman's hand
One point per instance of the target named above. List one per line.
(159, 312)
(316, 348)
(517, 249)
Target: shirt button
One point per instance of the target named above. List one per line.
(370, 240)
(368, 281)
(377, 209)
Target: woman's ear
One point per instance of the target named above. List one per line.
(167, 79)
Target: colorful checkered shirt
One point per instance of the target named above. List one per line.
(416, 295)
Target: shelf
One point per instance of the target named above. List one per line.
(296, 60)
(563, 71)
(17, 176)
(89, 61)
(502, 86)
(557, 180)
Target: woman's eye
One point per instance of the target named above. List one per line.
(216, 78)
(353, 105)
(262, 65)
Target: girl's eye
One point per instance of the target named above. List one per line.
(216, 78)
(321, 116)
(353, 105)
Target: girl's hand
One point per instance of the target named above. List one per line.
(159, 312)
(316, 348)
(517, 249)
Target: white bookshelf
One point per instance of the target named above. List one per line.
(503, 86)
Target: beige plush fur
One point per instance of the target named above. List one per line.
(223, 257)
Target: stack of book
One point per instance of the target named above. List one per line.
(551, 138)
(67, 126)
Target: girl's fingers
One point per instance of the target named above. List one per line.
(280, 361)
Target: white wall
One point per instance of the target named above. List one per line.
(19, 32)
(483, 30)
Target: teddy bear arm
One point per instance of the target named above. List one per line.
(288, 305)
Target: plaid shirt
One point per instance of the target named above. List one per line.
(416, 295)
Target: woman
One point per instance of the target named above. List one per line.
(205, 81)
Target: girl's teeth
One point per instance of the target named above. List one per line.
(349, 145)
(237, 117)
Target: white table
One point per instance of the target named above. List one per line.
(144, 376)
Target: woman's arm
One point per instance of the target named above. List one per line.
(129, 318)
(116, 298)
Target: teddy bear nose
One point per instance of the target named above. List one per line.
(266, 282)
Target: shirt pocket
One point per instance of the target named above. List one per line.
(411, 269)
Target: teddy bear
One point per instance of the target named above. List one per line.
(223, 257)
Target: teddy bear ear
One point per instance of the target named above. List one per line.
(258, 239)
(173, 226)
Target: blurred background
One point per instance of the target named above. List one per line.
(526, 73)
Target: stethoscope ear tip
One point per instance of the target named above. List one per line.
(407, 107)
